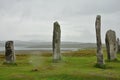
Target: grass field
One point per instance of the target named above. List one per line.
(76, 65)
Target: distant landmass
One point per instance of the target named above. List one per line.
(36, 45)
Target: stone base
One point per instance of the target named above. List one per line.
(103, 66)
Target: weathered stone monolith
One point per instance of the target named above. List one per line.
(99, 53)
(118, 45)
(111, 44)
(9, 52)
(56, 42)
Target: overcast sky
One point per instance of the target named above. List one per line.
(33, 19)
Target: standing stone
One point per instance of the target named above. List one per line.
(99, 54)
(9, 52)
(111, 45)
(56, 42)
(118, 45)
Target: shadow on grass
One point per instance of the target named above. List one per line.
(115, 60)
(10, 64)
(103, 66)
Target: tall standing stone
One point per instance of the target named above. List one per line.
(99, 54)
(9, 52)
(56, 42)
(118, 45)
(111, 45)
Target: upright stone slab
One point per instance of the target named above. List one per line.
(99, 53)
(111, 45)
(56, 42)
(118, 45)
(9, 52)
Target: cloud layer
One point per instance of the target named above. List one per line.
(33, 19)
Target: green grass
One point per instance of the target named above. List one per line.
(77, 65)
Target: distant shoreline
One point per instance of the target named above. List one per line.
(31, 52)
(39, 49)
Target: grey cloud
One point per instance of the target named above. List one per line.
(33, 19)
